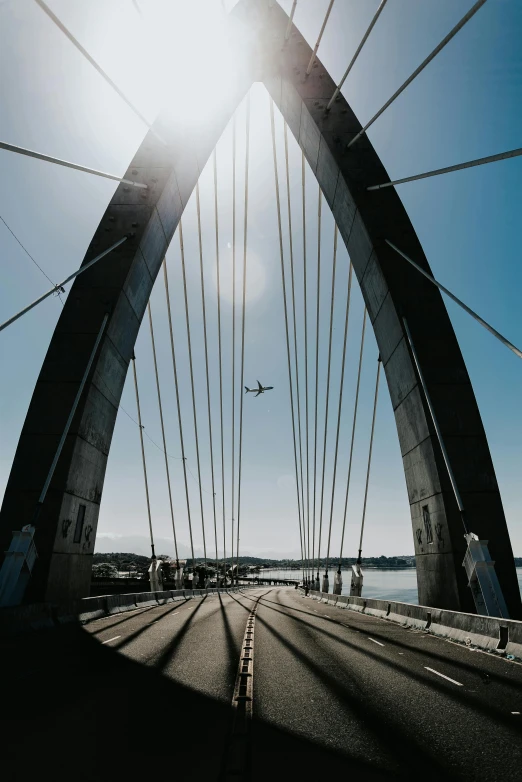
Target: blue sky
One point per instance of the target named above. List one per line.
(466, 104)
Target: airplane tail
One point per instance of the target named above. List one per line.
(247, 389)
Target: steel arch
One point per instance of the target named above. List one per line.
(391, 289)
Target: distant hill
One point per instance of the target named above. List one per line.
(123, 560)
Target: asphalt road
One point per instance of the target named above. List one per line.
(150, 692)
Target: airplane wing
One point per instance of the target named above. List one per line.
(259, 392)
(260, 386)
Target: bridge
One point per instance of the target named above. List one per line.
(171, 288)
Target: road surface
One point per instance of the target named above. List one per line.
(150, 692)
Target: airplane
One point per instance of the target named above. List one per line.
(260, 390)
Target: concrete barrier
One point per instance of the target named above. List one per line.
(117, 604)
(490, 633)
(514, 643)
(485, 632)
(163, 597)
(91, 608)
(83, 610)
(357, 604)
(146, 599)
(378, 608)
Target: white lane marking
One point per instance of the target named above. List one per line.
(444, 677)
(515, 712)
(328, 617)
(111, 639)
(131, 611)
(375, 642)
(343, 624)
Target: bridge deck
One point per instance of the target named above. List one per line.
(332, 691)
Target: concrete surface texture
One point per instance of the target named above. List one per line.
(333, 692)
(391, 289)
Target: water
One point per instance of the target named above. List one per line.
(393, 584)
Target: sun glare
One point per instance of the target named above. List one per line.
(189, 42)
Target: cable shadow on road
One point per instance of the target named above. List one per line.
(146, 628)
(133, 615)
(498, 678)
(167, 655)
(234, 649)
(492, 677)
(488, 710)
(93, 713)
(386, 731)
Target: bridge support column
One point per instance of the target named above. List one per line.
(338, 583)
(326, 583)
(155, 576)
(357, 581)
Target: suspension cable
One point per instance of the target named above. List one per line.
(292, 279)
(448, 169)
(303, 181)
(245, 237)
(357, 52)
(332, 303)
(143, 455)
(317, 365)
(178, 406)
(281, 252)
(204, 310)
(369, 459)
(67, 164)
(192, 389)
(290, 20)
(59, 287)
(353, 433)
(160, 406)
(421, 67)
(26, 251)
(339, 411)
(473, 314)
(233, 347)
(205, 342)
(312, 58)
(45, 8)
(220, 354)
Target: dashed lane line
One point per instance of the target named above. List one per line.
(130, 611)
(111, 639)
(375, 642)
(432, 670)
